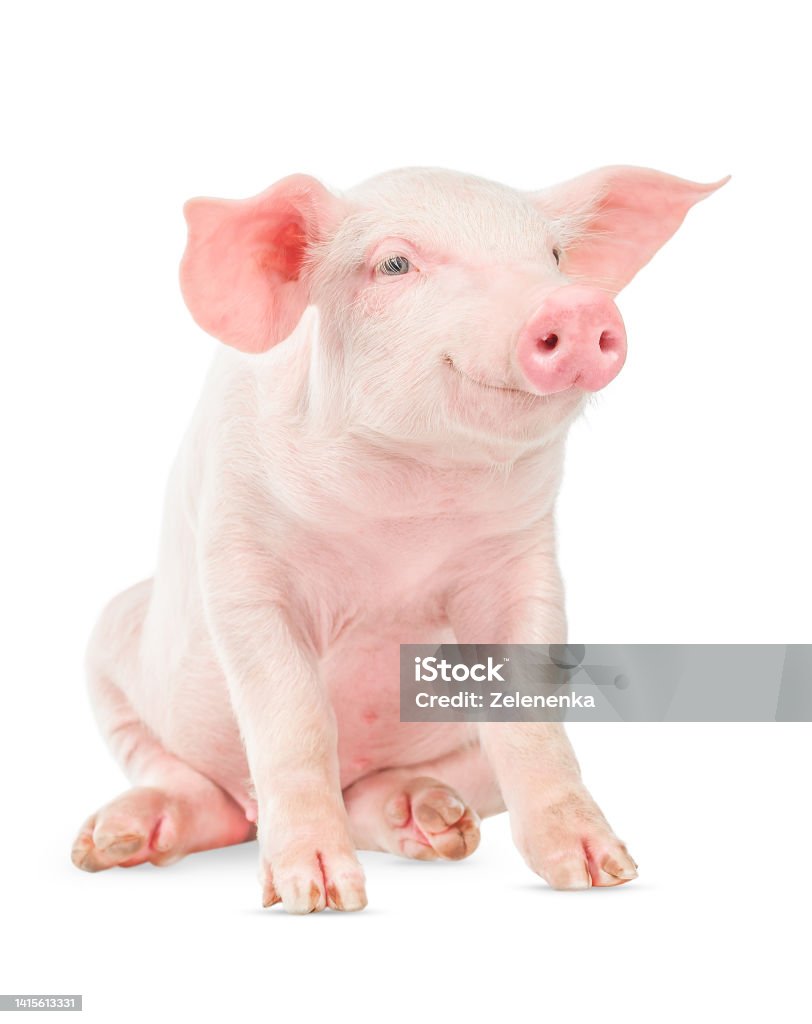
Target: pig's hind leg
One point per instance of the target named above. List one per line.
(427, 811)
(173, 809)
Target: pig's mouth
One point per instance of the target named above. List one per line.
(509, 389)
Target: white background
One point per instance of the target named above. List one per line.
(684, 517)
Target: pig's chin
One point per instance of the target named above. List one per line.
(505, 410)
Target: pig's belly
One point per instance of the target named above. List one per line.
(363, 680)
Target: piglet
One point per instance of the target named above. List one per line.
(374, 461)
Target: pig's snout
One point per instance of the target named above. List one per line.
(575, 337)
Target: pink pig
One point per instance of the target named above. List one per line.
(379, 469)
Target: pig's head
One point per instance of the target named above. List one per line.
(450, 307)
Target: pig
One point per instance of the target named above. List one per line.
(374, 461)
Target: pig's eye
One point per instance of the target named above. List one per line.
(557, 255)
(393, 266)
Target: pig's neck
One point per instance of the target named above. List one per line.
(360, 477)
(471, 455)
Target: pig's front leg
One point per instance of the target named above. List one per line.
(307, 858)
(556, 824)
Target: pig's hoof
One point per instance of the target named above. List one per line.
(138, 827)
(305, 880)
(570, 844)
(429, 820)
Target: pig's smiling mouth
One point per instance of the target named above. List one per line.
(504, 388)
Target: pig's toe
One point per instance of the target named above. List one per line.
(137, 827)
(564, 868)
(430, 820)
(304, 881)
(610, 862)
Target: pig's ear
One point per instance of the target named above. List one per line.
(613, 220)
(243, 273)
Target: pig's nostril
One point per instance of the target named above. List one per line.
(549, 342)
(608, 342)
